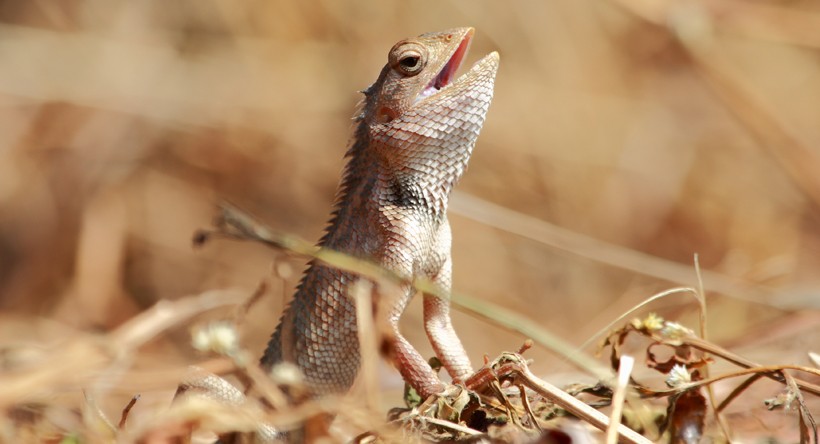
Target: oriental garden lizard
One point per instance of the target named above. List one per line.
(413, 137)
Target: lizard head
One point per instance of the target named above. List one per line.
(423, 121)
(420, 68)
(418, 123)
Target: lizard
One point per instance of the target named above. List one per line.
(414, 134)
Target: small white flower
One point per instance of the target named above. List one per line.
(287, 374)
(673, 330)
(652, 322)
(218, 337)
(678, 376)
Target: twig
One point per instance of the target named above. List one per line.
(745, 363)
(578, 408)
(164, 315)
(525, 402)
(510, 365)
(450, 425)
(806, 420)
(773, 372)
(243, 309)
(666, 293)
(362, 293)
(126, 411)
(624, 373)
(543, 232)
(737, 391)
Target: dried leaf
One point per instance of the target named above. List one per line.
(685, 418)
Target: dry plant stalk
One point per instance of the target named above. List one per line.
(233, 223)
(685, 380)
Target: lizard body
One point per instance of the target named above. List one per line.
(412, 142)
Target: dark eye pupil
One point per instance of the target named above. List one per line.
(409, 62)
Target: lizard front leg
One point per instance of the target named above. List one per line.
(439, 328)
(413, 367)
(437, 264)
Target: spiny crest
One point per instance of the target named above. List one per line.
(361, 105)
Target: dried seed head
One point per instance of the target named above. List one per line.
(217, 337)
(678, 376)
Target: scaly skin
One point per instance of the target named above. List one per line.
(414, 136)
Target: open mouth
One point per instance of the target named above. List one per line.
(445, 76)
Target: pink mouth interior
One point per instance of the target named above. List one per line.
(445, 76)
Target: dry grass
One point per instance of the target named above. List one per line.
(625, 137)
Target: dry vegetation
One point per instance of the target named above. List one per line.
(626, 136)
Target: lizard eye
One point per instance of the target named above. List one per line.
(408, 58)
(410, 61)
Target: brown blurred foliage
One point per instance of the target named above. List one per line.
(664, 127)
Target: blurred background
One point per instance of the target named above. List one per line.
(625, 137)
